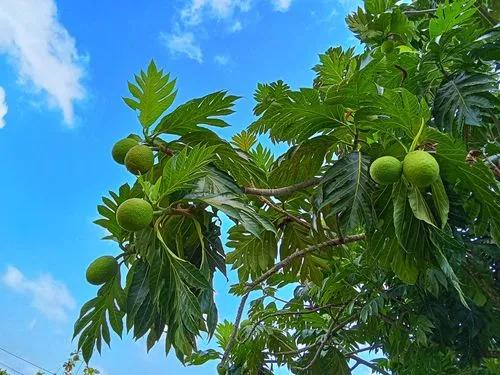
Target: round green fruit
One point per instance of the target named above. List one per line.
(121, 148)
(420, 168)
(134, 214)
(139, 159)
(102, 270)
(386, 170)
(387, 46)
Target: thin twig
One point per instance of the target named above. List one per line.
(320, 348)
(282, 190)
(286, 213)
(370, 365)
(292, 352)
(373, 347)
(418, 12)
(232, 338)
(282, 312)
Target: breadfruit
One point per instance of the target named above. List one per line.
(134, 214)
(420, 168)
(386, 170)
(139, 159)
(387, 46)
(121, 148)
(102, 270)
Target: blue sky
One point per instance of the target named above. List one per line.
(63, 71)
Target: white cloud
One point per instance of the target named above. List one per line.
(281, 5)
(221, 59)
(51, 297)
(183, 44)
(236, 26)
(3, 107)
(196, 14)
(43, 51)
(196, 10)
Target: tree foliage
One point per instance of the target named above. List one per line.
(406, 271)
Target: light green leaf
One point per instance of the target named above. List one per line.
(441, 201)
(419, 206)
(153, 93)
(184, 168)
(206, 110)
(450, 15)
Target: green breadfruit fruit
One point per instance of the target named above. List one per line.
(386, 170)
(134, 136)
(121, 148)
(102, 270)
(420, 168)
(139, 159)
(134, 214)
(387, 46)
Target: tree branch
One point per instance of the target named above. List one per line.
(298, 254)
(418, 12)
(282, 190)
(232, 338)
(273, 270)
(320, 348)
(373, 347)
(370, 365)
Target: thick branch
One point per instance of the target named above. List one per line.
(282, 190)
(370, 365)
(273, 270)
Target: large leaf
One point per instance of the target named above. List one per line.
(240, 212)
(181, 170)
(474, 181)
(345, 191)
(206, 110)
(463, 99)
(450, 15)
(394, 110)
(108, 211)
(301, 162)
(92, 324)
(336, 67)
(153, 93)
(297, 116)
(251, 255)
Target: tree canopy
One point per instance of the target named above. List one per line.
(408, 269)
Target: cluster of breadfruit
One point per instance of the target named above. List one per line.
(134, 214)
(419, 168)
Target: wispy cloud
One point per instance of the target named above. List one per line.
(183, 44)
(3, 107)
(49, 296)
(196, 11)
(194, 15)
(43, 51)
(236, 26)
(281, 5)
(221, 59)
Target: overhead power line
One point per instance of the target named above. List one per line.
(29, 362)
(11, 369)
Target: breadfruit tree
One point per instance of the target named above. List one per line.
(383, 216)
